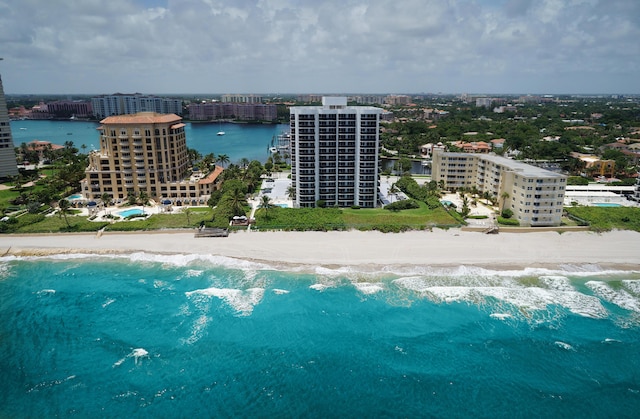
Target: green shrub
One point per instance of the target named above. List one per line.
(402, 205)
(507, 213)
(508, 221)
(577, 180)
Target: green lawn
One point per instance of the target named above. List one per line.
(385, 220)
(304, 219)
(162, 221)
(36, 223)
(608, 218)
(309, 219)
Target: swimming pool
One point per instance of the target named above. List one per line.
(129, 212)
(75, 196)
(606, 204)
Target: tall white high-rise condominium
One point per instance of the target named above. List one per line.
(334, 154)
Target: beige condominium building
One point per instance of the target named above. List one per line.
(145, 152)
(534, 195)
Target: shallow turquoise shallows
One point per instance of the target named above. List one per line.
(203, 336)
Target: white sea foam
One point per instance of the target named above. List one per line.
(279, 291)
(186, 259)
(462, 271)
(564, 345)
(333, 272)
(320, 287)
(368, 287)
(5, 268)
(242, 301)
(46, 292)
(621, 297)
(467, 271)
(137, 354)
(159, 284)
(193, 273)
(632, 285)
(177, 259)
(500, 316)
(524, 298)
(197, 331)
(555, 282)
(108, 302)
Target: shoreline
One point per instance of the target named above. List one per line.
(369, 251)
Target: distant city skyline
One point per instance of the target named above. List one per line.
(303, 46)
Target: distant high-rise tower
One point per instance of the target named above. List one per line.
(334, 154)
(8, 166)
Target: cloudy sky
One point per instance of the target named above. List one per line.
(320, 46)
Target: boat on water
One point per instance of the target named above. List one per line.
(220, 133)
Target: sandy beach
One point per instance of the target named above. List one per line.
(372, 250)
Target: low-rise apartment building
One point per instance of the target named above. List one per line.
(129, 104)
(240, 98)
(534, 195)
(210, 111)
(145, 152)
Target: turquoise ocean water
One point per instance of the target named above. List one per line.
(240, 140)
(195, 336)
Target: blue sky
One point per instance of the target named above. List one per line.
(328, 46)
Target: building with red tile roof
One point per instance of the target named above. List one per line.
(145, 153)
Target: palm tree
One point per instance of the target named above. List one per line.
(194, 155)
(144, 199)
(244, 162)
(64, 206)
(222, 159)
(393, 190)
(291, 192)
(265, 203)
(465, 207)
(504, 196)
(106, 199)
(486, 195)
(237, 200)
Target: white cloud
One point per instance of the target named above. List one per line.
(167, 46)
